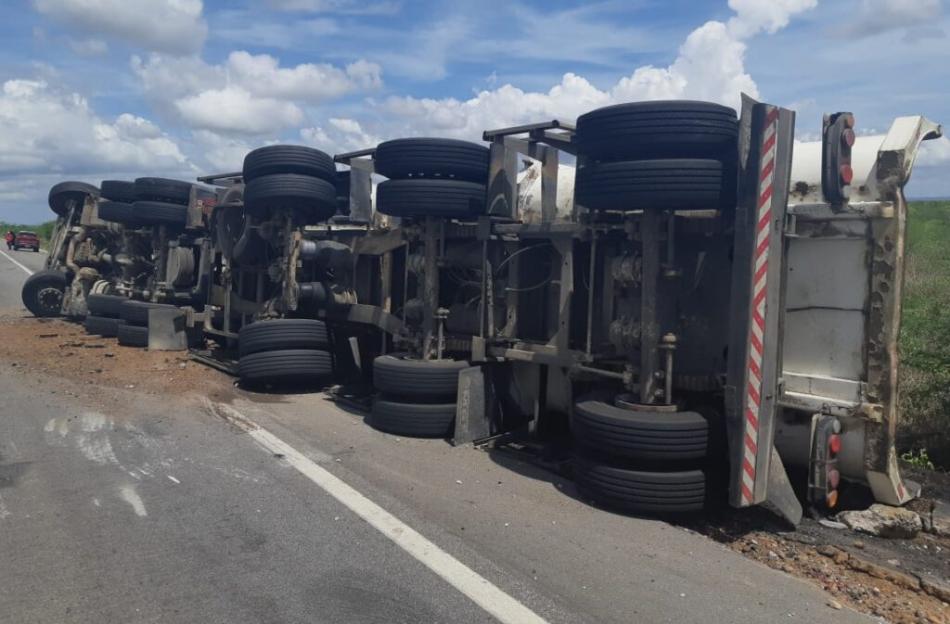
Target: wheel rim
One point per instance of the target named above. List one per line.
(50, 300)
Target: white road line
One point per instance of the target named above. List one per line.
(478, 589)
(28, 272)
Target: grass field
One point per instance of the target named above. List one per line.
(925, 334)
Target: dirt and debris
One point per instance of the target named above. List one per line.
(69, 353)
(883, 521)
(904, 581)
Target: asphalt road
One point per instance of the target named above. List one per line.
(13, 276)
(163, 510)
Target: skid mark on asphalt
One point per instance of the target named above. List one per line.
(477, 588)
(101, 440)
(128, 494)
(4, 512)
(89, 432)
(93, 438)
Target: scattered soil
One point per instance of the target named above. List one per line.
(902, 581)
(64, 350)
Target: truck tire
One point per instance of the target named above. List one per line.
(136, 312)
(662, 129)
(312, 198)
(132, 335)
(446, 158)
(418, 420)
(398, 375)
(61, 194)
(282, 334)
(297, 159)
(118, 191)
(286, 366)
(651, 185)
(640, 491)
(119, 212)
(42, 293)
(109, 306)
(160, 213)
(615, 432)
(439, 198)
(163, 190)
(101, 326)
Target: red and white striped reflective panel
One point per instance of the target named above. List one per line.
(763, 231)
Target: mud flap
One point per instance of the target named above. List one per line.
(473, 412)
(166, 330)
(781, 498)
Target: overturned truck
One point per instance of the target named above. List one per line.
(697, 308)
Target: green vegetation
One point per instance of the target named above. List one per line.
(43, 230)
(918, 459)
(925, 335)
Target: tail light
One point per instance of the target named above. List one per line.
(836, 171)
(832, 476)
(824, 477)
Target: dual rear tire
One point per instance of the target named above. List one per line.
(104, 314)
(146, 202)
(417, 397)
(284, 351)
(640, 461)
(290, 177)
(657, 156)
(441, 178)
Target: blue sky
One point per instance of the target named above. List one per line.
(95, 89)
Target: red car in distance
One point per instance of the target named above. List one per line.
(26, 240)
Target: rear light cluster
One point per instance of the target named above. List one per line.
(832, 476)
(836, 171)
(824, 478)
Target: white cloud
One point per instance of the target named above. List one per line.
(167, 78)
(44, 130)
(935, 152)
(232, 109)
(172, 26)
(248, 93)
(710, 66)
(262, 75)
(877, 16)
(221, 153)
(340, 135)
(754, 16)
(48, 135)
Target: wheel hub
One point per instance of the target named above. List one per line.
(50, 299)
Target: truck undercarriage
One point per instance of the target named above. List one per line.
(685, 306)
